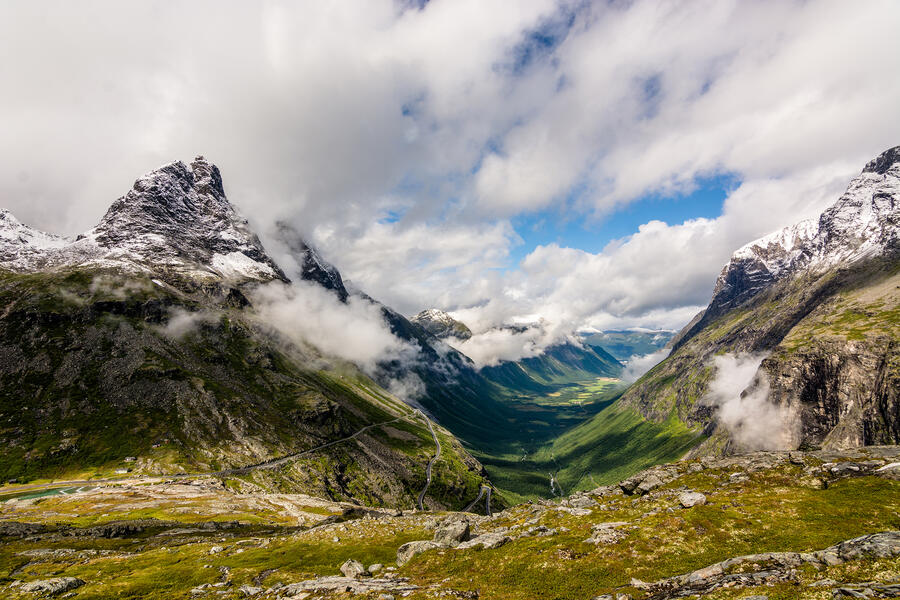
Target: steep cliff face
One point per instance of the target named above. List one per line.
(819, 303)
(838, 369)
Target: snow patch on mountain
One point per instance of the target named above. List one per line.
(175, 222)
(441, 324)
(863, 223)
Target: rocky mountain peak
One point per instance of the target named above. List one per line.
(174, 222)
(301, 261)
(883, 162)
(863, 223)
(441, 325)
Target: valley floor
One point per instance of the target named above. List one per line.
(575, 438)
(660, 534)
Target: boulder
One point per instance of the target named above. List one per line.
(353, 569)
(582, 502)
(452, 534)
(249, 590)
(606, 533)
(689, 499)
(51, 587)
(376, 568)
(486, 540)
(648, 484)
(629, 485)
(407, 551)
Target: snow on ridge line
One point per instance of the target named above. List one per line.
(237, 264)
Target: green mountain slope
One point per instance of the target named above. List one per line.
(96, 367)
(816, 305)
(558, 364)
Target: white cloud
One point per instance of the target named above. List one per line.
(183, 322)
(402, 141)
(638, 365)
(739, 391)
(306, 313)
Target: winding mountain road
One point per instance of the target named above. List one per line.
(436, 456)
(268, 464)
(275, 462)
(487, 501)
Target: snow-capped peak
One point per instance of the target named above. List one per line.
(175, 222)
(441, 325)
(863, 223)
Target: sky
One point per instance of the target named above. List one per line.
(579, 164)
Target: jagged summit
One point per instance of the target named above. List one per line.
(883, 162)
(175, 222)
(303, 262)
(441, 325)
(863, 223)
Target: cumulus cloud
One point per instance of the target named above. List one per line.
(306, 313)
(739, 390)
(402, 140)
(637, 365)
(494, 346)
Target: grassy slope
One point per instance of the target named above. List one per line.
(771, 511)
(88, 377)
(790, 317)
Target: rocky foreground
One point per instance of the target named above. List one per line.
(765, 525)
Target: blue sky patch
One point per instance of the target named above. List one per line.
(592, 235)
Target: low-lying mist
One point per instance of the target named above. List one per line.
(637, 365)
(740, 392)
(308, 314)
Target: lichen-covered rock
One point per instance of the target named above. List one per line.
(407, 551)
(689, 499)
(452, 534)
(353, 568)
(487, 541)
(52, 587)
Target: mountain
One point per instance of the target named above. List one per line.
(441, 325)
(562, 363)
(623, 344)
(138, 339)
(175, 223)
(817, 307)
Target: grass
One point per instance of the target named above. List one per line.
(771, 511)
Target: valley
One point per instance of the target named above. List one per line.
(181, 416)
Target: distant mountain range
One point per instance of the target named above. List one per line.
(624, 344)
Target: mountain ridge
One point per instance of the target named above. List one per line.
(816, 303)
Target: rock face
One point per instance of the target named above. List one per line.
(441, 325)
(863, 223)
(818, 303)
(772, 567)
